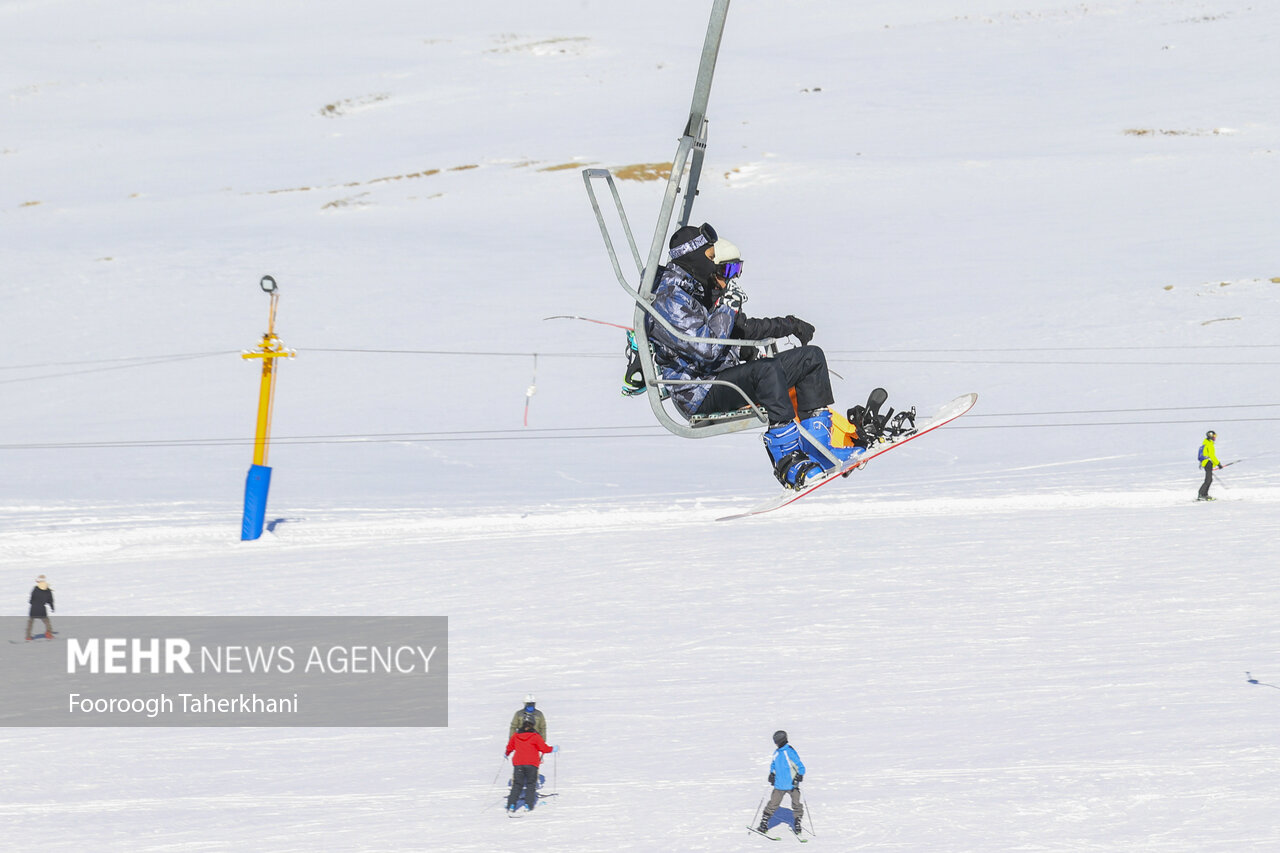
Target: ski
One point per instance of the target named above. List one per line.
(766, 835)
(522, 808)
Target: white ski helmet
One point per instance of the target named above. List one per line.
(725, 251)
(530, 700)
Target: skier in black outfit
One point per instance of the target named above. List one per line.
(41, 598)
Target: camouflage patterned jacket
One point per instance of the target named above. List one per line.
(677, 297)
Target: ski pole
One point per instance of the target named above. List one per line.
(489, 792)
(499, 773)
(808, 810)
(1253, 680)
(757, 812)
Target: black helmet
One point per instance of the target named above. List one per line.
(779, 738)
(1211, 435)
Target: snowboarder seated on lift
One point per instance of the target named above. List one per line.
(1208, 461)
(786, 772)
(528, 747)
(699, 294)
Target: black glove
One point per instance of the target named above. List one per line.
(802, 330)
(748, 353)
(799, 778)
(772, 776)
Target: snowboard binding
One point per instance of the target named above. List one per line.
(875, 427)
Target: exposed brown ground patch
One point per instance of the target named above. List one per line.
(349, 201)
(644, 172)
(349, 105)
(1150, 131)
(560, 167)
(545, 47)
(408, 176)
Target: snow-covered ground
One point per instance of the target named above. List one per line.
(1017, 634)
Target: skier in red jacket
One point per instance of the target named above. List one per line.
(526, 748)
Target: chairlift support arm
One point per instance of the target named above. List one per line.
(689, 155)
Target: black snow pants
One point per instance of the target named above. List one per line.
(767, 381)
(524, 783)
(1208, 479)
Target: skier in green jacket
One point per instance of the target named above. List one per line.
(1208, 461)
(529, 714)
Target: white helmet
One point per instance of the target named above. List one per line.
(530, 700)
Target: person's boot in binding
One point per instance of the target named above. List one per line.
(791, 465)
(818, 424)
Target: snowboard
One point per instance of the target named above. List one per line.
(37, 637)
(943, 416)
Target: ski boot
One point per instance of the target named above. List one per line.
(818, 425)
(791, 465)
(763, 827)
(797, 827)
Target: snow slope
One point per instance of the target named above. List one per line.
(1018, 634)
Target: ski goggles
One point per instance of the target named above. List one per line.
(729, 270)
(706, 237)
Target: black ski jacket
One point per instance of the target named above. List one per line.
(40, 599)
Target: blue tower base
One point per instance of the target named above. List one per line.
(255, 501)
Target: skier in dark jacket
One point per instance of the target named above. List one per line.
(41, 598)
(526, 748)
(529, 714)
(699, 294)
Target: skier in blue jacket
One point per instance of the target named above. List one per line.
(698, 293)
(786, 772)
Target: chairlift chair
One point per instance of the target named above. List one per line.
(688, 160)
